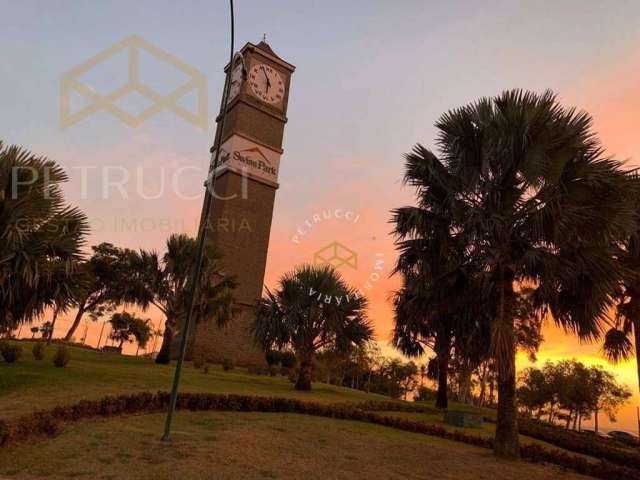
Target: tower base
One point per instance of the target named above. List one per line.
(234, 341)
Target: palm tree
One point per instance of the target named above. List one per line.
(536, 203)
(436, 302)
(618, 345)
(167, 283)
(312, 309)
(41, 238)
(422, 321)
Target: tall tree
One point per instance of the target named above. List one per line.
(532, 182)
(312, 309)
(606, 394)
(126, 327)
(106, 280)
(41, 237)
(433, 303)
(168, 280)
(581, 391)
(429, 314)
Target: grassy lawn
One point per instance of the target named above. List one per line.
(108, 446)
(229, 445)
(29, 385)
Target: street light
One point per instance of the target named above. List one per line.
(204, 219)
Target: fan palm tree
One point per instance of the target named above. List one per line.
(618, 343)
(439, 303)
(424, 320)
(41, 238)
(536, 202)
(167, 282)
(312, 309)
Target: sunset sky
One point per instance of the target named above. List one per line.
(371, 79)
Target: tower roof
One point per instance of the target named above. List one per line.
(266, 50)
(266, 47)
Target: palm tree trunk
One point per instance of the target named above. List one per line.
(53, 325)
(164, 355)
(304, 375)
(491, 389)
(595, 424)
(76, 322)
(506, 443)
(483, 385)
(465, 383)
(442, 352)
(636, 336)
(580, 422)
(100, 337)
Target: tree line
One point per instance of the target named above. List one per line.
(570, 392)
(43, 266)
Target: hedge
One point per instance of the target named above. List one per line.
(49, 423)
(576, 442)
(579, 443)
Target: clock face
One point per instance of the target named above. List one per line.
(236, 81)
(266, 83)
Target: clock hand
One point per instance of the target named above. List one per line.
(266, 77)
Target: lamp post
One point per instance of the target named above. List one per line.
(204, 219)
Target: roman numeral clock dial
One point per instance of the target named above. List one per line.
(266, 83)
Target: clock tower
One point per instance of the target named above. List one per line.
(246, 182)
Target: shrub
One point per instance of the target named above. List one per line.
(62, 356)
(273, 357)
(38, 350)
(228, 364)
(395, 406)
(198, 360)
(11, 353)
(424, 395)
(4, 432)
(273, 370)
(288, 359)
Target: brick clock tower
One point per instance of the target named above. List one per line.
(246, 184)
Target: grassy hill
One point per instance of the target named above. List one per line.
(224, 445)
(220, 444)
(29, 384)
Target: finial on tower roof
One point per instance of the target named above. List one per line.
(264, 37)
